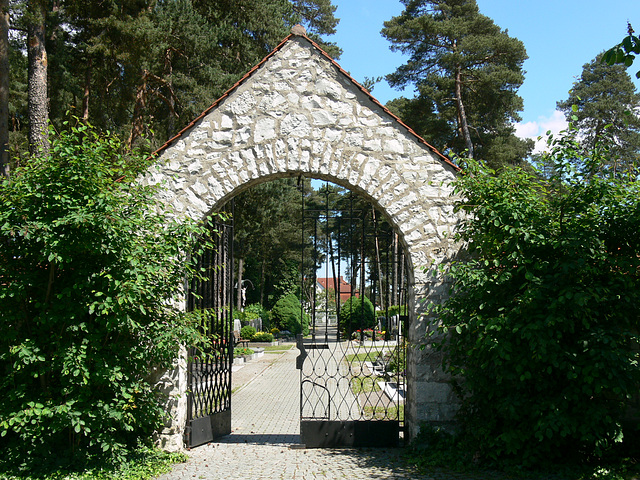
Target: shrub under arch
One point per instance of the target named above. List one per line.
(287, 315)
(356, 314)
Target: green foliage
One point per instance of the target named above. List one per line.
(141, 463)
(267, 236)
(437, 450)
(366, 356)
(398, 360)
(146, 68)
(356, 314)
(18, 96)
(247, 316)
(287, 315)
(260, 312)
(625, 52)
(262, 337)
(604, 99)
(466, 71)
(247, 332)
(543, 319)
(435, 447)
(242, 352)
(318, 18)
(90, 262)
(392, 310)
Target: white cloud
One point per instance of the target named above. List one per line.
(554, 123)
(527, 129)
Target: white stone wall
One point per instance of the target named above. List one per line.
(298, 113)
(172, 384)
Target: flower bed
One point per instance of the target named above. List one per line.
(369, 334)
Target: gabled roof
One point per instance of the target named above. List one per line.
(329, 283)
(298, 31)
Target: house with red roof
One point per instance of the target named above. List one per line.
(336, 284)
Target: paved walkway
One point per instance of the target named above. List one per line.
(265, 424)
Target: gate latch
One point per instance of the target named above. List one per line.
(303, 352)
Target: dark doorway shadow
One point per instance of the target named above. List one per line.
(261, 439)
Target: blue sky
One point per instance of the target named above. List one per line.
(560, 37)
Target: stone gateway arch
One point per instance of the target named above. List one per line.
(298, 113)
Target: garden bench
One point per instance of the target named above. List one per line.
(238, 340)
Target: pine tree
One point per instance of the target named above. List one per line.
(267, 231)
(37, 54)
(467, 71)
(147, 68)
(604, 101)
(4, 88)
(318, 18)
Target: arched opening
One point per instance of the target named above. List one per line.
(329, 270)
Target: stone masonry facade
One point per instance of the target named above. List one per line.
(299, 113)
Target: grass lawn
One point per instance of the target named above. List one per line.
(392, 412)
(364, 384)
(277, 348)
(367, 356)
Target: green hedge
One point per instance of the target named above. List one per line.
(286, 315)
(356, 314)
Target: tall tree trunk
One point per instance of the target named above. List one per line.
(381, 282)
(37, 89)
(462, 116)
(402, 297)
(137, 124)
(87, 91)
(263, 271)
(394, 280)
(168, 68)
(337, 284)
(240, 268)
(4, 88)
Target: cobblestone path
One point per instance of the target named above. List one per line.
(265, 424)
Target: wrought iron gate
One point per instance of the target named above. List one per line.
(209, 372)
(352, 367)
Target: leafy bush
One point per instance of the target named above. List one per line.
(543, 317)
(275, 332)
(139, 463)
(260, 312)
(89, 263)
(262, 337)
(392, 310)
(286, 315)
(247, 316)
(242, 351)
(356, 314)
(247, 332)
(398, 361)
